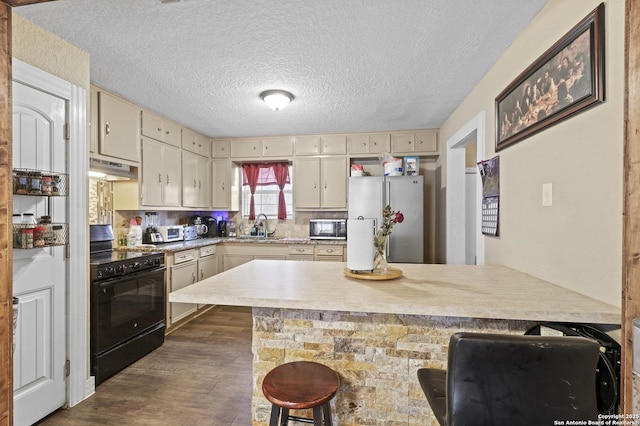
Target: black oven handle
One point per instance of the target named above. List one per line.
(111, 281)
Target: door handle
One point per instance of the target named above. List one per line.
(107, 129)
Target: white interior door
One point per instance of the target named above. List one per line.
(40, 275)
(471, 202)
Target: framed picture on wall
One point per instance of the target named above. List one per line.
(566, 79)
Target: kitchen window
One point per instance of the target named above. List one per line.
(264, 177)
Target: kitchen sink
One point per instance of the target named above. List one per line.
(254, 237)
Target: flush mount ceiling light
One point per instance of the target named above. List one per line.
(276, 99)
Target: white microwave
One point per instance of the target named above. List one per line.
(171, 233)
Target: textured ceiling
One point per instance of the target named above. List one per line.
(352, 65)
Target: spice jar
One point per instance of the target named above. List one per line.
(35, 183)
(55, 185)
(27, 238)
(38, 236)
(28, 218)
(22, 183)
(45, 185)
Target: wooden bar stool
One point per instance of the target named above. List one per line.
(300, 385)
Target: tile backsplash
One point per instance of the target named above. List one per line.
(100, 212)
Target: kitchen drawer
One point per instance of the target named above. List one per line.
(300, 250)
(207, 251)
(184, 256)
(329, 250)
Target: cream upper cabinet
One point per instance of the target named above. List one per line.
(320, 183)
(307, 145)
(333, 144)
(221, 185)
(119, 128)
(196, 143)
(369, 143)
(277, 147)
(160, 129)
(425, 143)
(315, 145)
(161, 174)
(195, 180)
(93, 120)
(245, 148)
(220, 148)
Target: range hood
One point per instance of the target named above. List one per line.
(111, 170)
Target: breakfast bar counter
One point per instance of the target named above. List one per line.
(494, 292)
(377, 334)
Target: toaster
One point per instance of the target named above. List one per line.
(190, 232)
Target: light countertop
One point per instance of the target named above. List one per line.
(438, 290)
(201, 242)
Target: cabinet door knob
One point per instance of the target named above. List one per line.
(160, 129)
(159, 178)
(107, 129)
(167, 179)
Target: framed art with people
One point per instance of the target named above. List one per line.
(566, 79)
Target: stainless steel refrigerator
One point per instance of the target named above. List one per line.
(368, 195)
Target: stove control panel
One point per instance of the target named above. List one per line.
(123, 267)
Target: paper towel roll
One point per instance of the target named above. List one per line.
(360, 248)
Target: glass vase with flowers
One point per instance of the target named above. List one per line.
(389, 218)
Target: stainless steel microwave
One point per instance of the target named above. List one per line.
(328, 229)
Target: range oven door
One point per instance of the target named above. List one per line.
(124, 307)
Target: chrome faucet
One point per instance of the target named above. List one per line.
(266, 225)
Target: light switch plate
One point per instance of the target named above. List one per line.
(547, 194)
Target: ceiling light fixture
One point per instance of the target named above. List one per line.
(276, 99)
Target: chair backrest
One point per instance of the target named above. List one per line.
(496, 379)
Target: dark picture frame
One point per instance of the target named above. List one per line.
(568, 78)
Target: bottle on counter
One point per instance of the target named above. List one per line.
(131, 239)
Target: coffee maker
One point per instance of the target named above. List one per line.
(222, 228)
(212, 226)
(151, 234)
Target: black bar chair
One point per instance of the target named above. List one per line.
(506, 380)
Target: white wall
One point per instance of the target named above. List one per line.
(577, 242)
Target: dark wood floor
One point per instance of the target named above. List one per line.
(200, 376)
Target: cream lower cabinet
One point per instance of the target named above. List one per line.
(207, 264)
(195, 180)
(183, 271)
(320, 183)
(161, 174)
(237, 254)
(329, 253)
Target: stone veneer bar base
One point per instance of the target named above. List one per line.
(376, 356)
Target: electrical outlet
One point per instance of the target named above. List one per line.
(547, 195)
